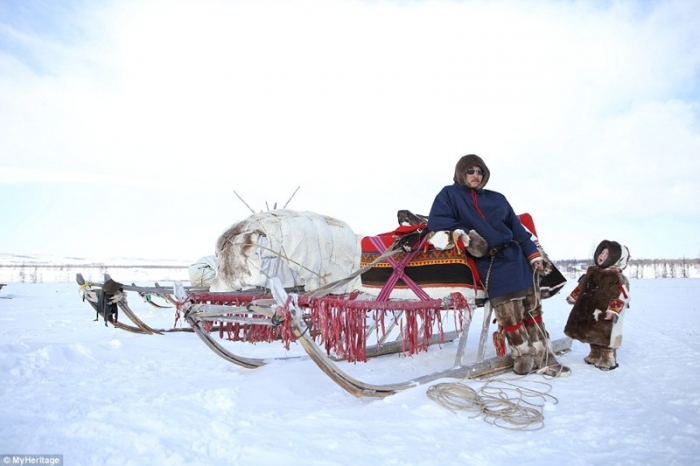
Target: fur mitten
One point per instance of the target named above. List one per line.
(478, 247)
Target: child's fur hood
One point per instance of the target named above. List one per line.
(618, 255)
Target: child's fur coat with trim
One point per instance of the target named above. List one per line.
(603, 288)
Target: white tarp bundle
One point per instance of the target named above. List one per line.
(299, 248)
(203, 272)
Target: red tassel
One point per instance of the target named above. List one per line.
(499, 341)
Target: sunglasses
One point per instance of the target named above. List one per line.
(478, 171)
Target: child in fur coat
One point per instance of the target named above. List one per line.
(600, 301)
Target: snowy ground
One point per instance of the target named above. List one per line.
(98, 395)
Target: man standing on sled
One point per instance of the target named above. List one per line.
(507, 270)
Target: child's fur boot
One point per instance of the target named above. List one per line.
(608, 360)
(595, 354)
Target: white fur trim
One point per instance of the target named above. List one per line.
(440, 240)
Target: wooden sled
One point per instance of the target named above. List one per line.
(335, 329)
(249, 312)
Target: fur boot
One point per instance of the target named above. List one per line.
(545, 360)
(523, 358)
(608, 360)
(595, 354)
(509, 316)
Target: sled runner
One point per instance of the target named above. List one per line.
(406, 297)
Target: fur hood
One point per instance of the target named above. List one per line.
(618, 255)
(469, 161)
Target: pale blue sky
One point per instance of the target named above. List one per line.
(126, 126)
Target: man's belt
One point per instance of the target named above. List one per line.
(497, 249)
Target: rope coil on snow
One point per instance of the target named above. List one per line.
(502, 403)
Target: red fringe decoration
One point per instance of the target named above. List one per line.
(340, 325)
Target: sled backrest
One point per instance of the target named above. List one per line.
(526, 220)
(438, 273)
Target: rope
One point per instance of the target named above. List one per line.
(557, 368)
(502, 402)
(88, 294)
(543, 336)
(83, 286)
(488, 276)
